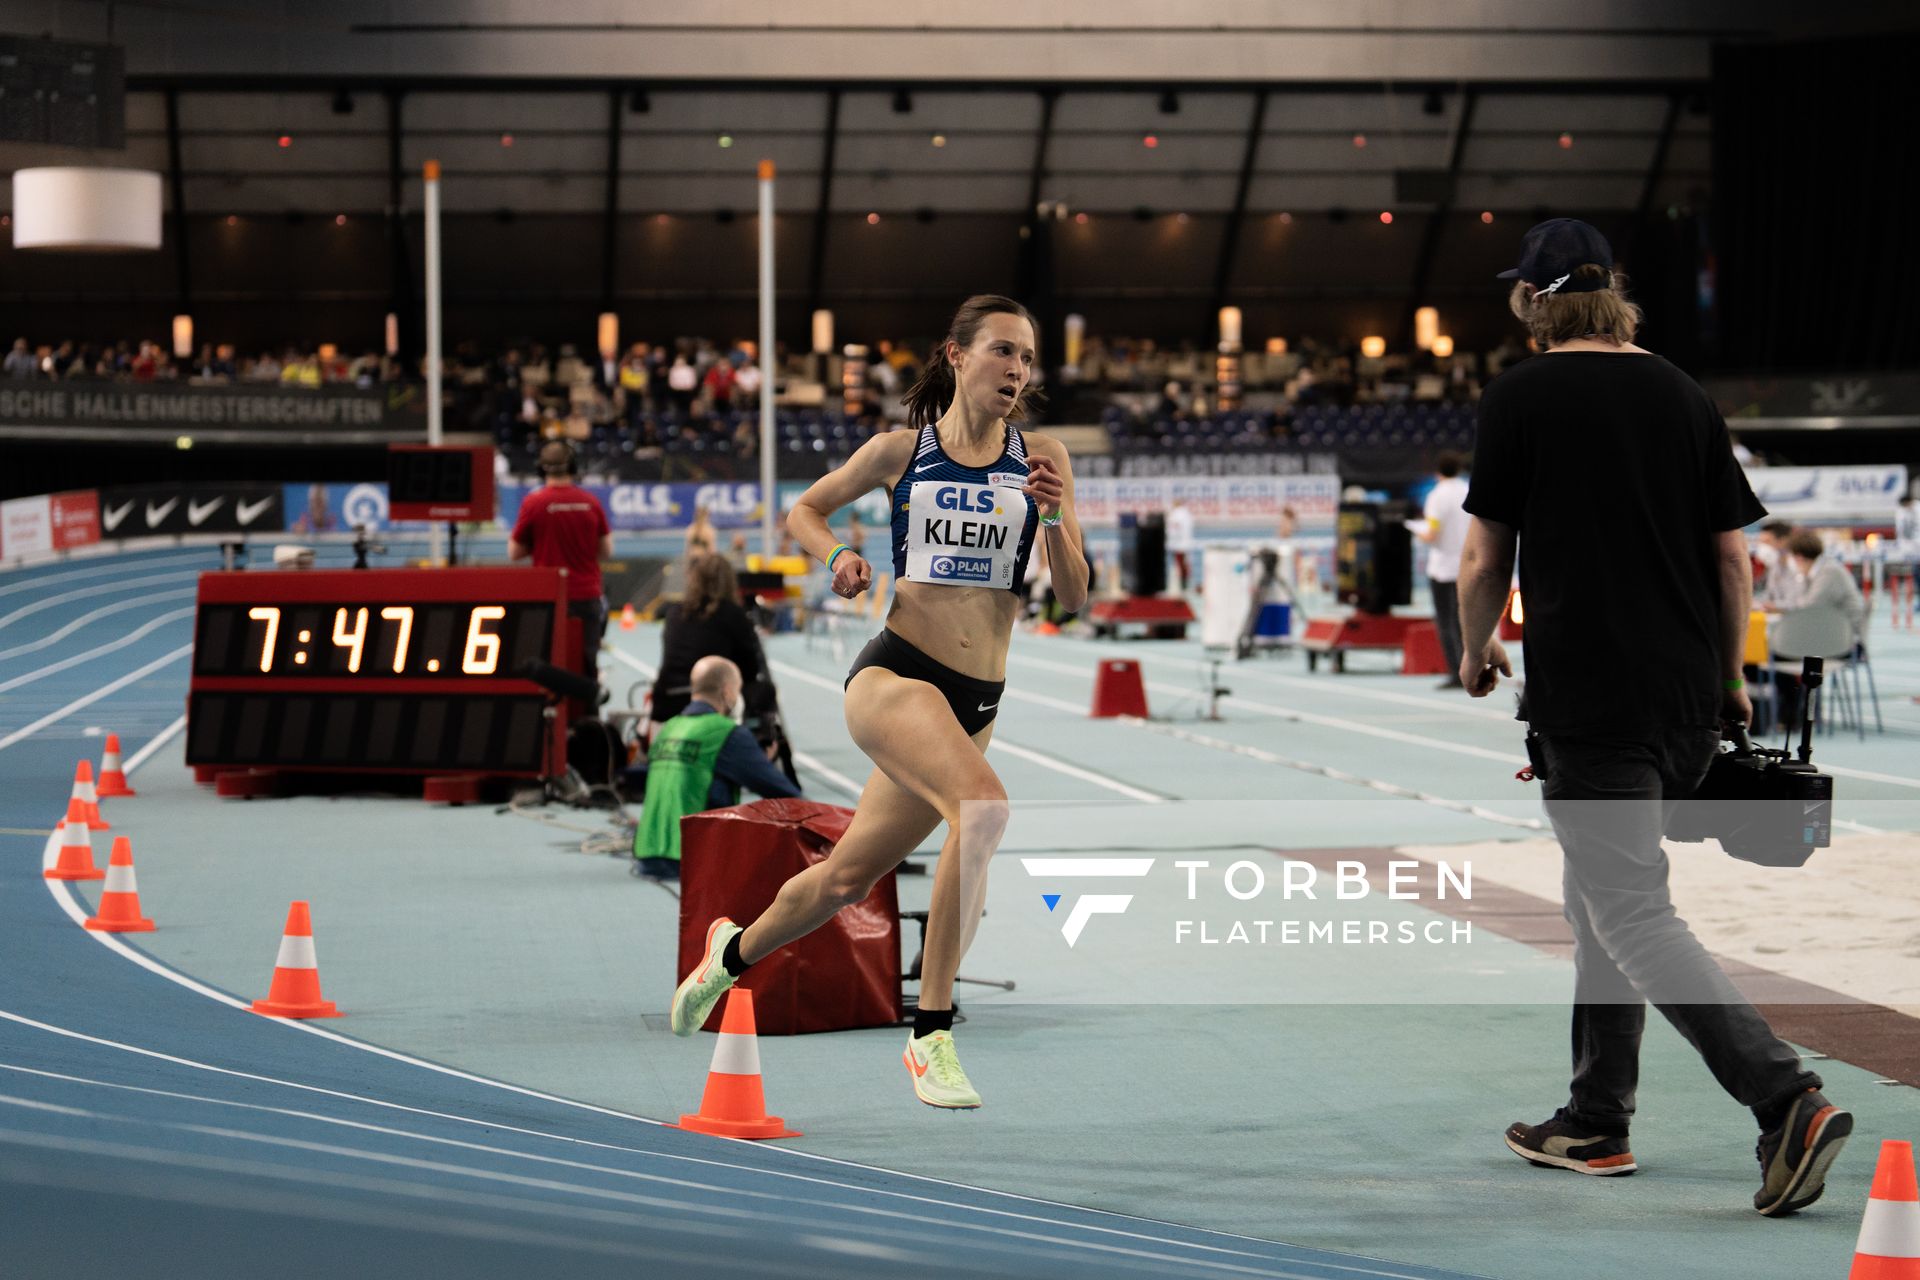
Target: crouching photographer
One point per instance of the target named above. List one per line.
(1633, 650)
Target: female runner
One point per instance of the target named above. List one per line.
(970, 493)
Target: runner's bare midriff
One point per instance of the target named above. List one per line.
(965, 628)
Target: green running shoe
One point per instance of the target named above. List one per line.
(937, 1078)
(694, 998)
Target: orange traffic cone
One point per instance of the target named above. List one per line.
(295, 992)
(83, 792)
(119, 897)
(733, 1105)
(628, 618)
(1889, 1247)
(113, 779)
(76, 847)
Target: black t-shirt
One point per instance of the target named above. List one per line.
(685, 640)
(1616, 471)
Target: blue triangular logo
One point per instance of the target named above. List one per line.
(1051, 899)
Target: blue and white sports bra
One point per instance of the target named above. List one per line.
(963, 526)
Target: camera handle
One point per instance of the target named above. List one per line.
(1812, 676)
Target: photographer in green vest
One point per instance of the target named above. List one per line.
(699, 760)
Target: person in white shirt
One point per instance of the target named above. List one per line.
(1783, 585)
(1445, 536)
(1903, 561)
(1180, 540)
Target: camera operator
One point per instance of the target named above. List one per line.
(563, 526)
(1633, 648)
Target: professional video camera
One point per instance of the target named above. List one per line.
(1763, 805)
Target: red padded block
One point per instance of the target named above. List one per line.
(1420, 654)
(1118, 689)
(844, 974)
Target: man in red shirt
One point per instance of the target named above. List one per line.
(562, 526)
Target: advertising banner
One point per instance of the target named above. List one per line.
(171, 409)
(1217, 502)
(639, 507)
(141, 510)
(1829, 493)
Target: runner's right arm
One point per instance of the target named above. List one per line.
(874, 465)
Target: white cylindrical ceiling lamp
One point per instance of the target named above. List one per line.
(1076, 338)
(1442, 345)
(1426, 327)
(1276, 346)
(182, 337)
(609, 334)
(86, 209)
(822, 332)
(1230, 325)
(393, 334)
(1373, 347)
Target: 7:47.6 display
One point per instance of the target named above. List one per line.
(469, 639)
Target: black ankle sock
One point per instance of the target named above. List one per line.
(730, 958)
(928, 1021)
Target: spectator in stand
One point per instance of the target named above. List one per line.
(563, 526)
(719, 385)
(264, 369)
(20, 362)
(746, 385)
(709, 619)
(146, 365)
(683, 383)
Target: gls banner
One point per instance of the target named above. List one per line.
(138, 511)
(659, 506)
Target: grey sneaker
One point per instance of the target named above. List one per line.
(695, 997)
(1794, 1158)
(1558, 1143)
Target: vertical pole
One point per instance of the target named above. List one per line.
(432, 176)
(769, 492)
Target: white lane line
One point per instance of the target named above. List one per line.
(159, 740)
(813, 764)
(1336, 775)
(103, 612)
(1075, 771)
(29, 1104)
(121, 587)
(243, 1190)
(20, 735)
(55, 579)
(1867, 775)
(138, 633)
(495, 1125)
(1307, 717)
(1332, 685)
(1033, 757)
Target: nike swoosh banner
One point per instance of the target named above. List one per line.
(191, 508)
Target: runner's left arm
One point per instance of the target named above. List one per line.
(1050, 485)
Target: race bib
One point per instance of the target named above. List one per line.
(963, 535)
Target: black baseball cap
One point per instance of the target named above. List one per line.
(1553, 250)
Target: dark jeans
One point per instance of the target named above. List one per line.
(1446, 620)
(1608, 800)
(593, 627)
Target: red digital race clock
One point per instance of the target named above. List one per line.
(440, 482)
(408, 670)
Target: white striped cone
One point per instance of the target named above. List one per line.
(120, 896)
(295, 990)
(1889, 1246)
(83, 792)
(734, 1104)
(76, 848)
(113, 779)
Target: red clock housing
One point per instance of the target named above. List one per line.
(387, 670)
